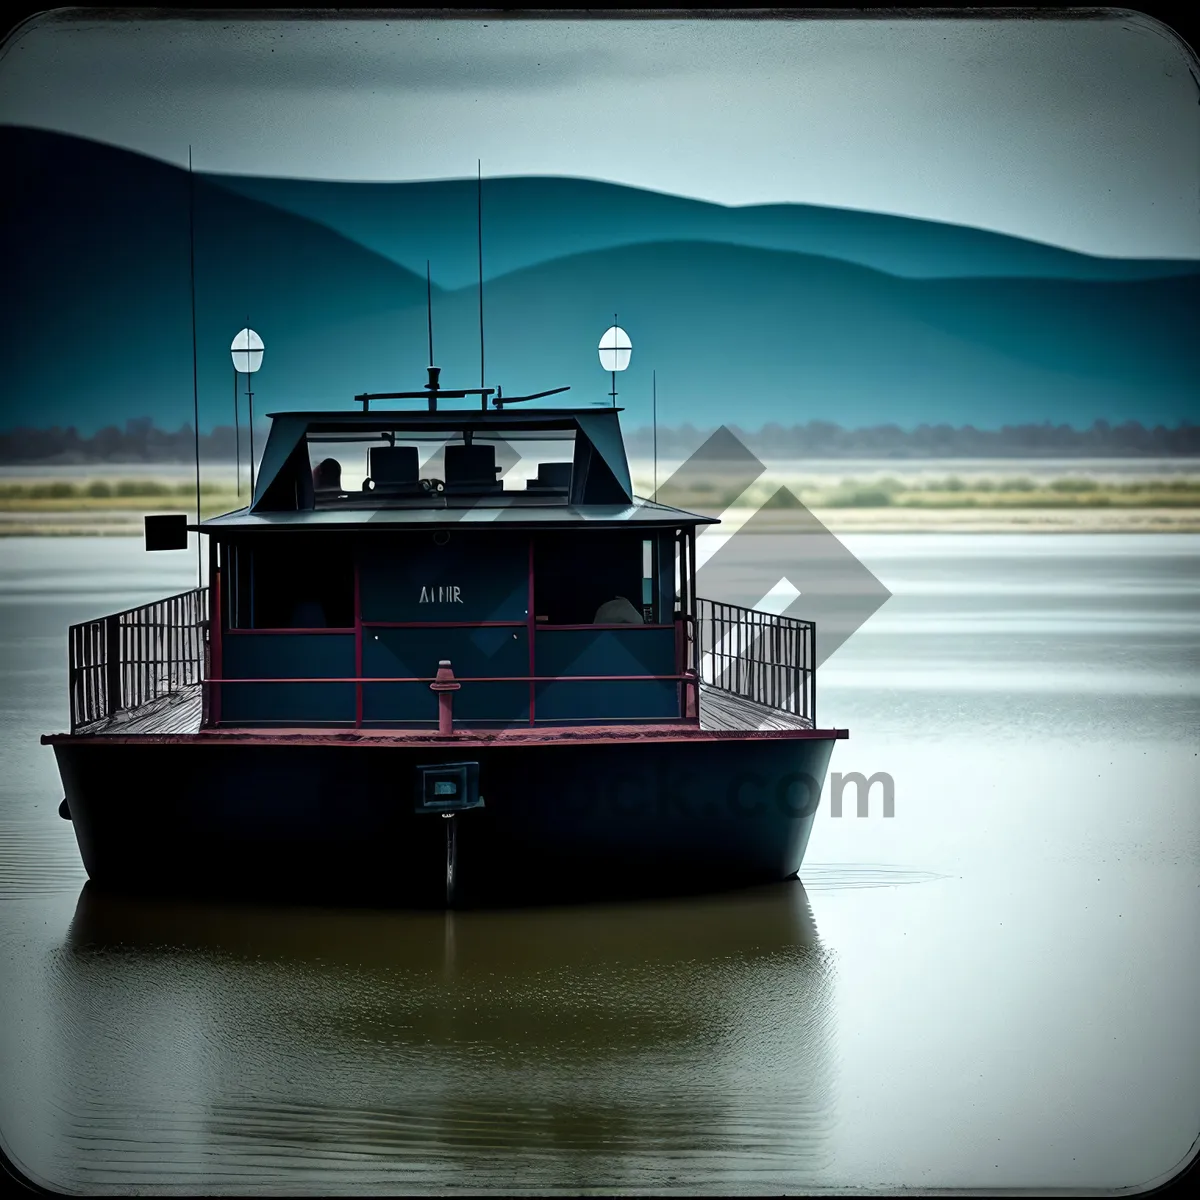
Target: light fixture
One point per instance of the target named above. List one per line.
(247, 352)
(615, 351)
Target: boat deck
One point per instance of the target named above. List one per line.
(721, 712)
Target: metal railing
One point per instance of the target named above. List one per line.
(133, 657)
(759, 656)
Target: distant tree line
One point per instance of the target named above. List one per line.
(141, 441)
(824, 439)
(138, 442)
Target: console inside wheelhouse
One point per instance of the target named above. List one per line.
(348, 627)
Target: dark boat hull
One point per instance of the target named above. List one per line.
(332, 821)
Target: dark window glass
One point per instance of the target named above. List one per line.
(574, 574)
(293, 582)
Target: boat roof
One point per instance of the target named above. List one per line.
(600, 493)
(639, 512)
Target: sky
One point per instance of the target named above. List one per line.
(1080, 133)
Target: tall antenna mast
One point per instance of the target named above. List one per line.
(429, 309)
(654, 420)
(237, 435)
(479, 199)
(613, 393)
(195, 367)
(250, 405)
(247, 351)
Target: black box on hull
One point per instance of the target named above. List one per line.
(448, 788)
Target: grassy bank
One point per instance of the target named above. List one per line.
(950, 492)
(60, 495)
(114, 505)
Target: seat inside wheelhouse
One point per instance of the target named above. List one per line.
(398, 470)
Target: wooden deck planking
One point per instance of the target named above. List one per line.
(725, 710)
(180, 714)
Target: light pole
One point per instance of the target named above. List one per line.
(615, 349)
(247, 351)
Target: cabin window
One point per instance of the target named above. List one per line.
(576, 573)
(294, 582)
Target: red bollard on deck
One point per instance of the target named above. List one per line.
(445, 687)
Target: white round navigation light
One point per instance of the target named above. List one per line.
(247, 351)
(615, 349)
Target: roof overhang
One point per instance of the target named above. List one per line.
(643, 514)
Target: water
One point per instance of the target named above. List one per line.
(993, 988)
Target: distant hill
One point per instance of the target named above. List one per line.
(96, 250)
(141, 442)
(530, 220)
(95, 246)
(783, 337)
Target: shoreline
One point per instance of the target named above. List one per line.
(116, 523)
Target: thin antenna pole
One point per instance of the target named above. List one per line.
(429, 309)
(479, 202)
(654, 419)
(250, 405)
(195, 364)
(614, 374)
(237, 435)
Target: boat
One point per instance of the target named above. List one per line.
(473, 670)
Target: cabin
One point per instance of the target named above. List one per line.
(507, 542)
(438, 570)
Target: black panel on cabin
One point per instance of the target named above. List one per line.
(574, 574)
(447, 575)
(290, 581)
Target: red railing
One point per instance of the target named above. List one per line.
(134, 657)
(687, 678)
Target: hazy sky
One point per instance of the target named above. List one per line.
(1085, 134)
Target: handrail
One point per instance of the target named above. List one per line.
(139, 655)
(464, 679)
(688, 678)
(135, 656)
(763, 657)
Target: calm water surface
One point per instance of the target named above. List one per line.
(994, 988)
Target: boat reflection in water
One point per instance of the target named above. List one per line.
(675, 1044)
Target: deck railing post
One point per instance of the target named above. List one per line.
(445, 687)
(112, 665)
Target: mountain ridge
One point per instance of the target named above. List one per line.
(96, 240)
(523, 223)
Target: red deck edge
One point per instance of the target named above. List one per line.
(560, 735)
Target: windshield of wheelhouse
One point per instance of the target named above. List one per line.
(407, 468)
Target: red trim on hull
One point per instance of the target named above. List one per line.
(615, 735)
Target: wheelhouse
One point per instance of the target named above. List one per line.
(378, 545)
